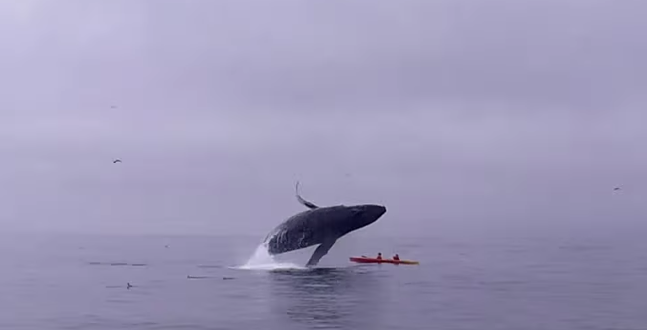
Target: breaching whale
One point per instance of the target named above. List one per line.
(319, 225)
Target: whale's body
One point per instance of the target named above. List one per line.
(320, 225)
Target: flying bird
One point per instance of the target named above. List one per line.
(116, 161)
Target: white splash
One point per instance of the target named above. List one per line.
(263, 260)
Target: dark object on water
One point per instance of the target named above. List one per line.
(128, 286)
(227, 278)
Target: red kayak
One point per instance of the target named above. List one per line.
(367, 260)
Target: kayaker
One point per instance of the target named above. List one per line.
(396, 257)
(379, 256)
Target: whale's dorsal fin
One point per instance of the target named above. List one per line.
(303, 201)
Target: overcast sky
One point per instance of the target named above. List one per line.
(453, 113)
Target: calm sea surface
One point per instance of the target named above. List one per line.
(79, 282)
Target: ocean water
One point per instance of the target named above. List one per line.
(201, 282)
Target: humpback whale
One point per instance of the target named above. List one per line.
(319, 225)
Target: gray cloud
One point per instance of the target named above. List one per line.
(453, 113)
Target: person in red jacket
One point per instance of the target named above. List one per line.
(379, 256)
(396, 257)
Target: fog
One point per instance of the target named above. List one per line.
(456, 115)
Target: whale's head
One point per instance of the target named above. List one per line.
(351, 218)
(368, 213)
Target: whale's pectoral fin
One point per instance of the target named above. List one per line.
(321, 251)
(307, 204)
